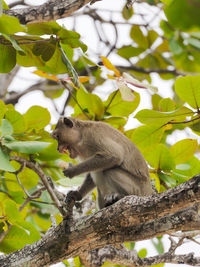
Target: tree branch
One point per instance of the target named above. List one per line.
(44, 179)
(51, 10)
(138, 218)
(130, 258)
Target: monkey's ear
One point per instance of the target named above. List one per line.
(68, 122)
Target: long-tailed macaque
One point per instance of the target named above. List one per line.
(111, 161)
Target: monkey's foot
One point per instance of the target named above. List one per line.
(112, 198)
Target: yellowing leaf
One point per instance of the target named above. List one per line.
(110, 66)
(45, 75)
(83, 79)
(110, 77)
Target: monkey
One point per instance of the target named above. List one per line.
(110, 160)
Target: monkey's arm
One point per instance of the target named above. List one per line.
(98, 162)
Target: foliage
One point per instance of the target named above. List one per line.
(52, 49)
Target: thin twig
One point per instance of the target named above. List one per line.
(71, 94)
(112, 98)
(41, 174)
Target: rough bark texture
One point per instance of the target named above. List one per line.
(130, 219)
(51, 10)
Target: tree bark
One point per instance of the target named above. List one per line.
(130, 219)
(51, 10)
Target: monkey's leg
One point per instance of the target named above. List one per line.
(112, 198)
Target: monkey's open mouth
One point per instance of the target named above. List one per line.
(64, 149)
(67, 150)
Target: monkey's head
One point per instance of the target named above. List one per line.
(68, 135)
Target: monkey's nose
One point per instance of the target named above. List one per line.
(53, 135)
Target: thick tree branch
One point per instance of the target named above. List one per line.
(43, 86)
(138, 218)
(51, 10)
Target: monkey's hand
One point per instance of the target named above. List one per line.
(70, 171)
(72, 196)
(112, 198)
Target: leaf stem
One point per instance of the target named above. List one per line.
(71, 94)
(112, 98)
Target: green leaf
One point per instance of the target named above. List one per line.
(28, 178)
(127, 13)
(8, 58)
(138, 36)
(183, 14)
(130, 245)
(167, 179)
(33, 234)
(15, 239)
(129, 51)
(147, 135)
(151, 116)
(167, 104)
(91, 102)
(17, 121)
(158, 244)
(188, 89)
(189, 168)
(55, 65)
(42, 28)
(37, 117)
(5, 6)
(50, 153)
(8, 138)
(70, 68)
(142, 253)
(10, 25)
(195, 126)
(2, 109)
(175, 47)
(152, 36)
(6, 128)
(116, 106)
(160, 158)
(116, 121)
(183, 150)
(11, 181)
(28, 147)
(71, 38)
(194, 42)
(4, 162)
(45, 50)
(167, 29)
(14, 43)
(12, 213)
